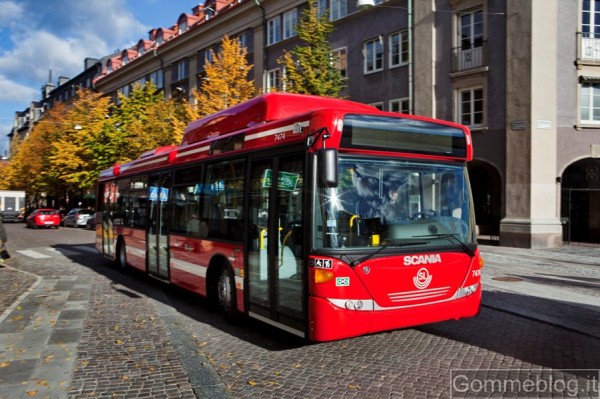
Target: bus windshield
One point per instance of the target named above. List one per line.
(381, 202)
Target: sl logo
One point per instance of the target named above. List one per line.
(422, 279)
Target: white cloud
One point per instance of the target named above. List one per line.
(15, 92)
(10, 11)
(38, 36)
(61, 37)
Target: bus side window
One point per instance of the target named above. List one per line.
(223, 201)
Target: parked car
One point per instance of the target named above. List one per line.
(91, 223)
(43, 217)
(9, 215)
(77, 217)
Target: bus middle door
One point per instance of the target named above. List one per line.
(157, 239)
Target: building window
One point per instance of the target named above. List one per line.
(590, 19)
(141, 49)
(400, 105)
(246, 40)
(340, 61)
(339, 9)
(290, 19)
(589, 45)
(275, 82)
(470, 30)
(274, 30)
(373, 55)
(180, 70)
(125, 90)
(182, 26)
(471, 107)
(156, 78)
(399, 49)
(590, 102)
(125, 59)
(321, 7)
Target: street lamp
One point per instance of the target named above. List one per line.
(365, 4)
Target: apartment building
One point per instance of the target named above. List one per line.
(524, 75)
(52, 94)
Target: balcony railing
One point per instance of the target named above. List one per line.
(588, 46)
(463, 58)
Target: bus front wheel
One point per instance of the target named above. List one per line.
(225, 293)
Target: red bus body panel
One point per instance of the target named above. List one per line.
(396, 292)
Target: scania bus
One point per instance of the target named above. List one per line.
(324, 217)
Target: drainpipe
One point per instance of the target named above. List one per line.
(411, 61)
(265, 54)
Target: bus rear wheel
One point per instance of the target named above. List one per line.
(121, 255)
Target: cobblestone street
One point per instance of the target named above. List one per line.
(84, 329)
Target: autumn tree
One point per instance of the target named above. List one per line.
(83, 148)
(144, 121)
(30, 167)
(226, 82)
(310, 69)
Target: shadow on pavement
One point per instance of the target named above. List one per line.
(134, 284)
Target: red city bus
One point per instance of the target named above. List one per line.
(326, 218)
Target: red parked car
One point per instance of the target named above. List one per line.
(43, 217)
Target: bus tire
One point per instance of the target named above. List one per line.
(225, 294)
(121, 254)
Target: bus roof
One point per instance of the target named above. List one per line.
(261, 109)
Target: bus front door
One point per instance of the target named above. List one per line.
(157, 239)
(275, 268)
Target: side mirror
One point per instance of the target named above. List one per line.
(327, 167)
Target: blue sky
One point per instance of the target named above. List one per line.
(41, 35)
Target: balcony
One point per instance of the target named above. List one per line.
(472, 57)
(588, 46)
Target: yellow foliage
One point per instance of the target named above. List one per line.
(226, 79)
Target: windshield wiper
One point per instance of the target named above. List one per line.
(391, 244)
(456, 240)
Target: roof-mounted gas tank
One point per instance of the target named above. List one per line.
(261, 109)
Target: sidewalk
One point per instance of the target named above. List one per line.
(559, 286)
(42, 320)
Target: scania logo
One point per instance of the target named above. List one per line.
(422, 259)
(422, 279)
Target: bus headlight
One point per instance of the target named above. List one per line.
(354, 305)
(466, 291)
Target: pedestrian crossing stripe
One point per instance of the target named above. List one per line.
(38, 253)
(33, 254)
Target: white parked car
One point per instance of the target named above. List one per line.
(77, 217)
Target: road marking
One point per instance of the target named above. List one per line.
(33, 254)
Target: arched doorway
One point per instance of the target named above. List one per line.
(487, 197)
(580, 201)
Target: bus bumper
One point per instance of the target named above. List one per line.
(329, 322)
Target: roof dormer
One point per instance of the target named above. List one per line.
(143, 46)
(186, 21)
(127, 55)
